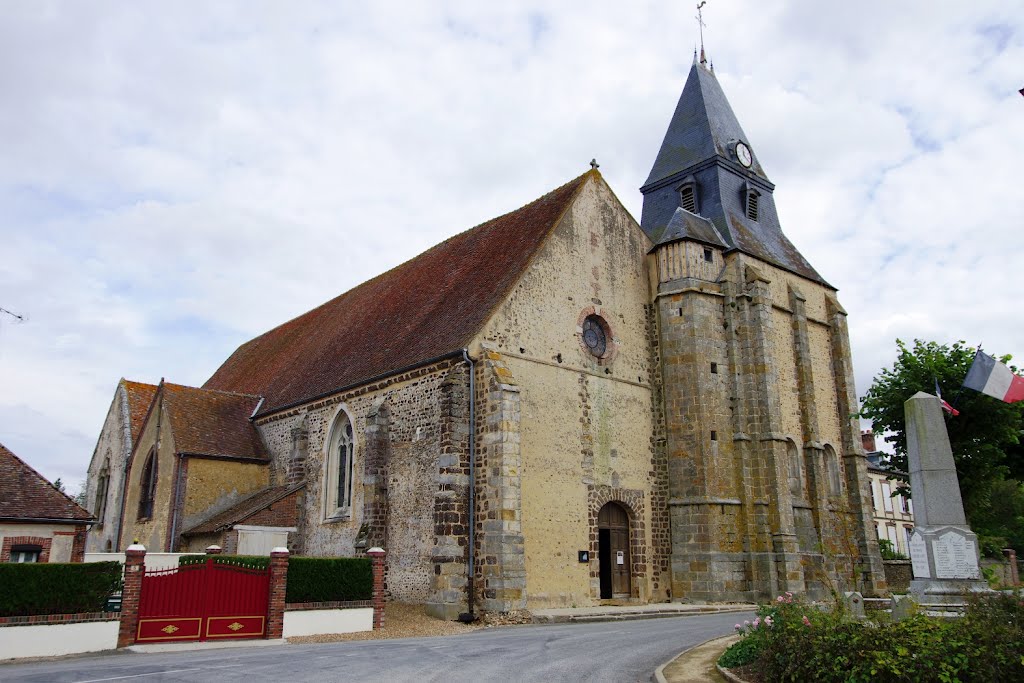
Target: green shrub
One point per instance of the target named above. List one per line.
(329, 579)
(57, 588)
(799, 643)
(888, 551)
(746, 651)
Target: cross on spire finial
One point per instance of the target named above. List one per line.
(700, 26)
(594, 165)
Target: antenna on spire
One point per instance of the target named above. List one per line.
(700, 26)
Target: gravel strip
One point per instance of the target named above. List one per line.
(400, 621)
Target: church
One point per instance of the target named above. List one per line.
(557, 407)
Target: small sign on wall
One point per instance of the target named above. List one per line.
(620, 557)
(584, 555)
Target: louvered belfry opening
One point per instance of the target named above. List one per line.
(688, 198)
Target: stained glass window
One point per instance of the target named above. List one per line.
(594, 335)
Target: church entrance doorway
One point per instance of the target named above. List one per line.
(613, 551)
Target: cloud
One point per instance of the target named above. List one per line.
(179, 178)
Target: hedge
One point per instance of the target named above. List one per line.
(329, 579)
(57, 588)
(310, 579)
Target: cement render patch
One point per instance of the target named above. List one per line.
(152, 648)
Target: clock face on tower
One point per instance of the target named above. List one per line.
(743, 154)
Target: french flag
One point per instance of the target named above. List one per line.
(991, 377)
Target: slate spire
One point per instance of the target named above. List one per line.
(706, 150)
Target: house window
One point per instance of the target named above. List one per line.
(340, 468)
(147, 486)
(887, 496)
(26, 553)
(708, 255)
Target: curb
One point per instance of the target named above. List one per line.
(630, 616)
(659, 673)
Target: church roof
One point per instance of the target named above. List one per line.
(700, 143)
(687, 225)
(25, 495)
(425, 308)
(243, 509)
(140, 396)
(212, 423)
(702, 126)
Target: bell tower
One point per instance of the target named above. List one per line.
(767, 480)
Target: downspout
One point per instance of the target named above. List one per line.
(470, 615)
(172, 538)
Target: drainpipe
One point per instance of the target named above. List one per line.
(470, 616)
(172, 537)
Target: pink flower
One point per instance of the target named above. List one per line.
(757, 621)
(739, 628)
(779, 599)
(768, 622)
(807, 622)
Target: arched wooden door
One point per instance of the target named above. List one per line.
(613, 551)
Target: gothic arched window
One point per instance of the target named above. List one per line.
(147, 486)
(100, 502)
(796, 475)
(340, 464)
(835, 473)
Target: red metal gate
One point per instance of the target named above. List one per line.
(203, 601)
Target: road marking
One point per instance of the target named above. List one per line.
(156, 673)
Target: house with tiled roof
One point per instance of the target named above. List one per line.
(38, 522)
(557, 407)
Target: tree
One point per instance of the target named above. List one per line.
(985, 436)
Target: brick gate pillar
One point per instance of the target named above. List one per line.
(377, 556)
(278, 589)
(134, 568)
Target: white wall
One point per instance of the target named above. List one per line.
(48, 640)
(320, 621)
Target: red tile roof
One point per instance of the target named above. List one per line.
(27, 495)
(427, 307)
(238, 512)
(214, 423)
(139, 397)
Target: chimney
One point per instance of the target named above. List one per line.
(867, 440)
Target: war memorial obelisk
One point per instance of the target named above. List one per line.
(943, 549)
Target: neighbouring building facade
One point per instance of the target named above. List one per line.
(559, 406)
(893, 514)
(38, 523)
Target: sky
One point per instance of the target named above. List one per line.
(176, 178)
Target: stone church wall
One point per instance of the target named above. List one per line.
(111, 455)
(397, 427)
(584, 423)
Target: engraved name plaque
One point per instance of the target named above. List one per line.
(955, 557)
(919, 556)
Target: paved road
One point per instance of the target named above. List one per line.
(615, 652)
